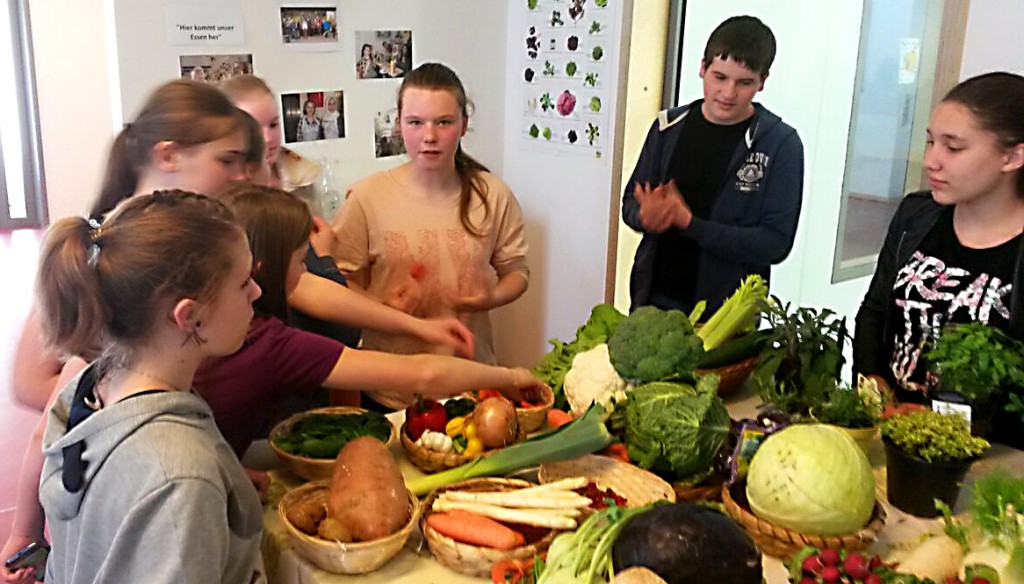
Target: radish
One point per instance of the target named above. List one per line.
(830, 574)
(829, 557)
(856, 566)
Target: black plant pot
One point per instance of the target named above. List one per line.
(913, 484)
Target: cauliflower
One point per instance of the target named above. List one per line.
(593, 379)
(655, 345)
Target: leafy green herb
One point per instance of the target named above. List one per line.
(846, 408)
(570, 68)
(933, 436)
(802, 359)
(546, 102)
(595, 27)
(549, 69)
(590, 79)
(996, 507)
(592, 133)
(534, 131)
(597, 53)
(323, 435)
(980, 362)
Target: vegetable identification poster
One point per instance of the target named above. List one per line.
(567, 75)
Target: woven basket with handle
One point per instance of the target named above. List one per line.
(470, 559)
(639, 487)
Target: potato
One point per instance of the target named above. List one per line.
(333, 530)
(308, 511)
(368, 494)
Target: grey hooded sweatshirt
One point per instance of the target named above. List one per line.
(162, 496)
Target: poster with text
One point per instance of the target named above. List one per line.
(567, 65)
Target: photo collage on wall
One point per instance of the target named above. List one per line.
(319, 113)
(567, 60)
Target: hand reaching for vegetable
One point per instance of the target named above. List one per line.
(525, 386)
(322, 238)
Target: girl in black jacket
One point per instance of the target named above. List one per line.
(952, 254)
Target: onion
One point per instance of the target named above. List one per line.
(496, 423)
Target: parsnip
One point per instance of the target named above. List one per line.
(567, 484)
(560, 519)
(517, 499)
(937, 558)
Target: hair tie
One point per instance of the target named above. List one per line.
(94, 249)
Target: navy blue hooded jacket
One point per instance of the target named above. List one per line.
(753, 222)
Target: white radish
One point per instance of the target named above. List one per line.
(567, 484)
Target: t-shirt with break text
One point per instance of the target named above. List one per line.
(244, 390)
(945, 282)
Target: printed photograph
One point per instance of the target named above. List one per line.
(314, 24)
(214, 68)
(383, 54)
(312, 116)
(387, 138)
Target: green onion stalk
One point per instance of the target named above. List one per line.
(582, 436)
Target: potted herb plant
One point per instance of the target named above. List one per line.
(856, 410)
(980, 366)
(927, 455)
(801, 359)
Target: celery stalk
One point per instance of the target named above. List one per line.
(737, 314)
(577, 438)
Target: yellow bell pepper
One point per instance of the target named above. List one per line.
(473, 447)
(455, 427)
(469, 431)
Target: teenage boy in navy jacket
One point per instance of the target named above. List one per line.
(717, 189)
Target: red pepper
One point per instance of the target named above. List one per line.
(425, 414)
(482, 394)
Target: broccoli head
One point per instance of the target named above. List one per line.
(655, 345)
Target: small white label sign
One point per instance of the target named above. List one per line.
(206, 23)
(951, 408)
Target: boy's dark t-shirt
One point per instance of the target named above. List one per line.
(698, 165)
(945, 282)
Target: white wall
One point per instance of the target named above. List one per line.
(467, 35)
(994, 41)
(75, 101)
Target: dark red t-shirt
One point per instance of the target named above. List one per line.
(245, 389)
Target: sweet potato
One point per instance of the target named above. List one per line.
(368, 494)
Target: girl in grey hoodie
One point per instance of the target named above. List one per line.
(138, 485)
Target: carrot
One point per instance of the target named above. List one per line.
(557, 418)
(617, 451)
(510, 571)
(475, 529)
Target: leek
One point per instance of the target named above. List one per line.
(737, 314)
(577, 438)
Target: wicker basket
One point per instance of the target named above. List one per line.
(313, 468)
(344, 558)
(638, 486)
(533, 419)
(732, 377)
(711, 491)
(429, 460)
(470, 559)
(784, 543)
